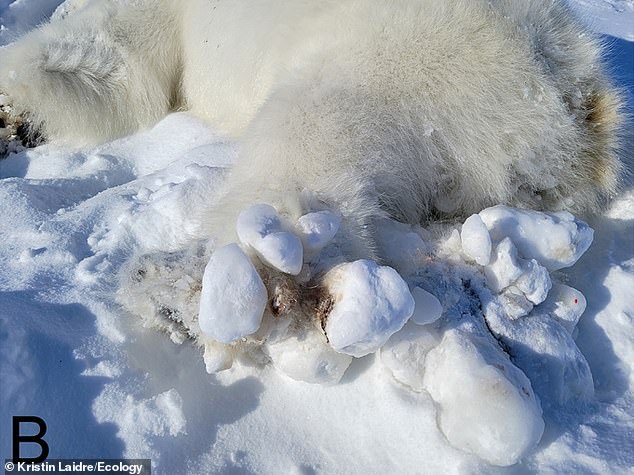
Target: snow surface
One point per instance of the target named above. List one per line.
(438, 397)
(611, 17)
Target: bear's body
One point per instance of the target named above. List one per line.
(413, 108)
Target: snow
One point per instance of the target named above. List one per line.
(139, 420)
(19, 16)
(439, 396)
(233, 296)
(611, 17)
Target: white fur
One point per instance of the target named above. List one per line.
(404, 106)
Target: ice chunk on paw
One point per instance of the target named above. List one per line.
(427, 308)
(308, 357)
(514, 303)
(371, 303)
(486, 406)
(404, 354)
(217, 357)
(555, 240)
(535, 282)
(507, 269)
(260, 227)
(549, 356)
(233, 296)
(256, 222)
(282, 251)
(476, 241)
(318, 229)
(565, 304)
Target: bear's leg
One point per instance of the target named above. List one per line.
(300, 206)
(98, 74)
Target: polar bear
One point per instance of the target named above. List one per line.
(407, 109)
(360, 110)
(413, 108)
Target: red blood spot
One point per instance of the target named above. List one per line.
(576, 301)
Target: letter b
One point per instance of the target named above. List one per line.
(36, 439)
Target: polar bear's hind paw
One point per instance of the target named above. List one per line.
(357, 305)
